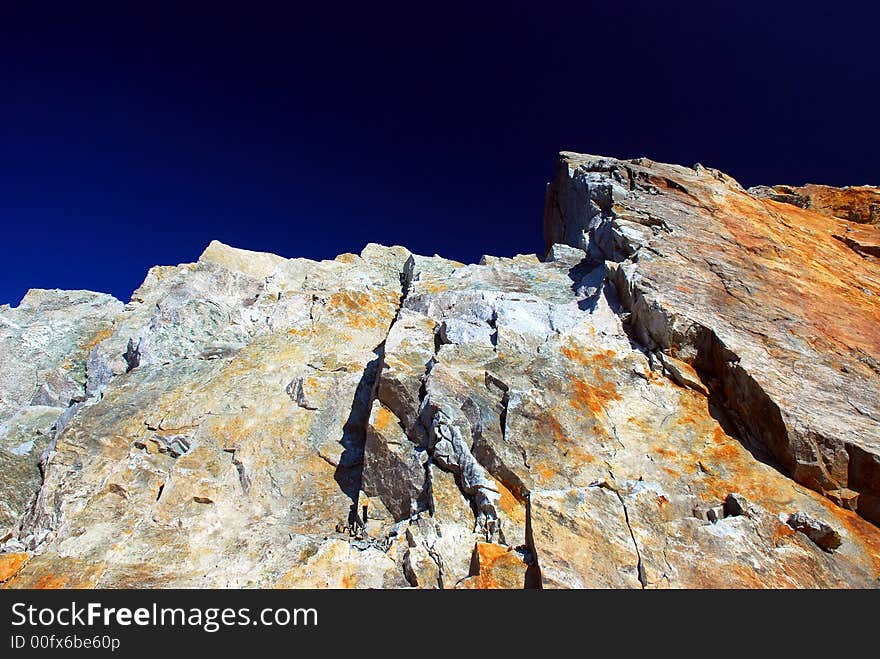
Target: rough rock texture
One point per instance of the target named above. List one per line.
(682, 393)
(859, 204)
(44, 345)
(763, 300)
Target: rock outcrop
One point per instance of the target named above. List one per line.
(683, 392)
(44, 346)
(859, 204)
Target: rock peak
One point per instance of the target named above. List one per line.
(683, 392)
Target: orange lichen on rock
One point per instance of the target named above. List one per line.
(102, 335)
(51, 582)
(432, 287)
(362, 310)
(556, 428)
(10, 564)
(579, 449)
(497, 567)
(511, 505)
(231, 429)
(781, 534)
(48, 571)
(588, 397)
(601, 359)
(544, 471)
(384, 419)
(729, 467)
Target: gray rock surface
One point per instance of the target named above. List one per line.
(44, 345)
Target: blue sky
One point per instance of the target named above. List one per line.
(133, 136)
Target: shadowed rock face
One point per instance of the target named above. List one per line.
(682, 393)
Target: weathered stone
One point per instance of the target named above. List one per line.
(644, 408)
(816, 530)
(863, 240)
(44, 345)
(561, 253)
(420, 568)
(339, 564)
(583, 539)
(682, 373)
(748, 292)
(845, 498)
(394, 468)
(736, 505)
(859, 204)
(10, 564)
(496, 567)
(449, 532)
(192, 471)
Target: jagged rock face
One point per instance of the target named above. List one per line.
(778, 315)
(225, 436)
(860, 204)
(44, 343)
(659, 402)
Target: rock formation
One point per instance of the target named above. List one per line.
(683, 392)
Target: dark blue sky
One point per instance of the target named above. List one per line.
(133, 136)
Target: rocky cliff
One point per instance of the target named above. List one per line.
(683, 392)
